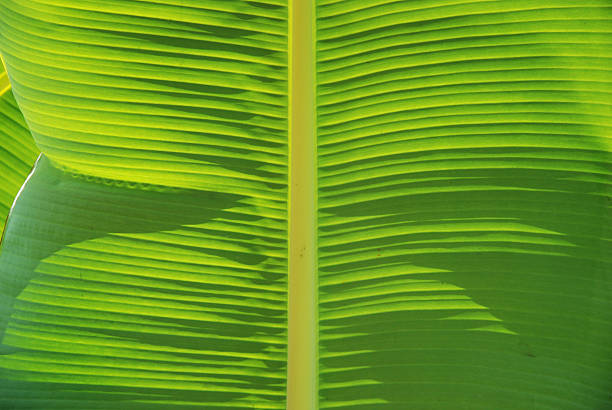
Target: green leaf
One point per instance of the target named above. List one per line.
(17, 149)
(144, 265)
(162, 253)
(464, 199)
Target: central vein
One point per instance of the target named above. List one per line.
(302, 357)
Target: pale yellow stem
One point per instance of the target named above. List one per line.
(4, 80)
(302, 358)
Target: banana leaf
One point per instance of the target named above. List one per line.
(17, 149)
(461, 197)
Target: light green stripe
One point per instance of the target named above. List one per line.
(302, 362)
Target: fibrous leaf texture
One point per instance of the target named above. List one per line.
(463, 175)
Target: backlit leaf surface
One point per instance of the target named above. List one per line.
(463, 198)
